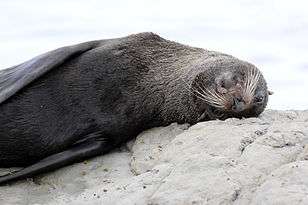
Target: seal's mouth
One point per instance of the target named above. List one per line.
(239, 100)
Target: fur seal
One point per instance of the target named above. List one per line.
(82, 101)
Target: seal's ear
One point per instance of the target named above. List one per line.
(270, 92)
(15, 78)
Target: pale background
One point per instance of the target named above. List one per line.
(271, 34)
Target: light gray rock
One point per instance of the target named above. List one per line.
(250, 161)
(286, 185)
(150, 144)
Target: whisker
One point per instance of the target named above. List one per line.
(217, 95)
(206, 95)
(187, 88)
(251, 82)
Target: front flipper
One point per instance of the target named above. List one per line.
(75, 154)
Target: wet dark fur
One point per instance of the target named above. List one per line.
(109, 93)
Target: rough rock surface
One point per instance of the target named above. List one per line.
(251, 161)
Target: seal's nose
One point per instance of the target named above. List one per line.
(238, 104)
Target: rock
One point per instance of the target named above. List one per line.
(250, 161)
(150, 144)
(286, 185)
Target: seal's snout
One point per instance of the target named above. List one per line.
(238, 105)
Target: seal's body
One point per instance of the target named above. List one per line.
(82, 101)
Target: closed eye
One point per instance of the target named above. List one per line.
(258, 99)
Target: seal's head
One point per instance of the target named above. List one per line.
(230, 89)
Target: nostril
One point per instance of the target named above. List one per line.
(233, 107)
(223, 84)
(238, 104)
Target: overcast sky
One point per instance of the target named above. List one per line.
(273, 35)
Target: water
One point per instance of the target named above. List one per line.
(271, 34)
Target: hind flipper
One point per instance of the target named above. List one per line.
(17, 77)
(75, 154)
